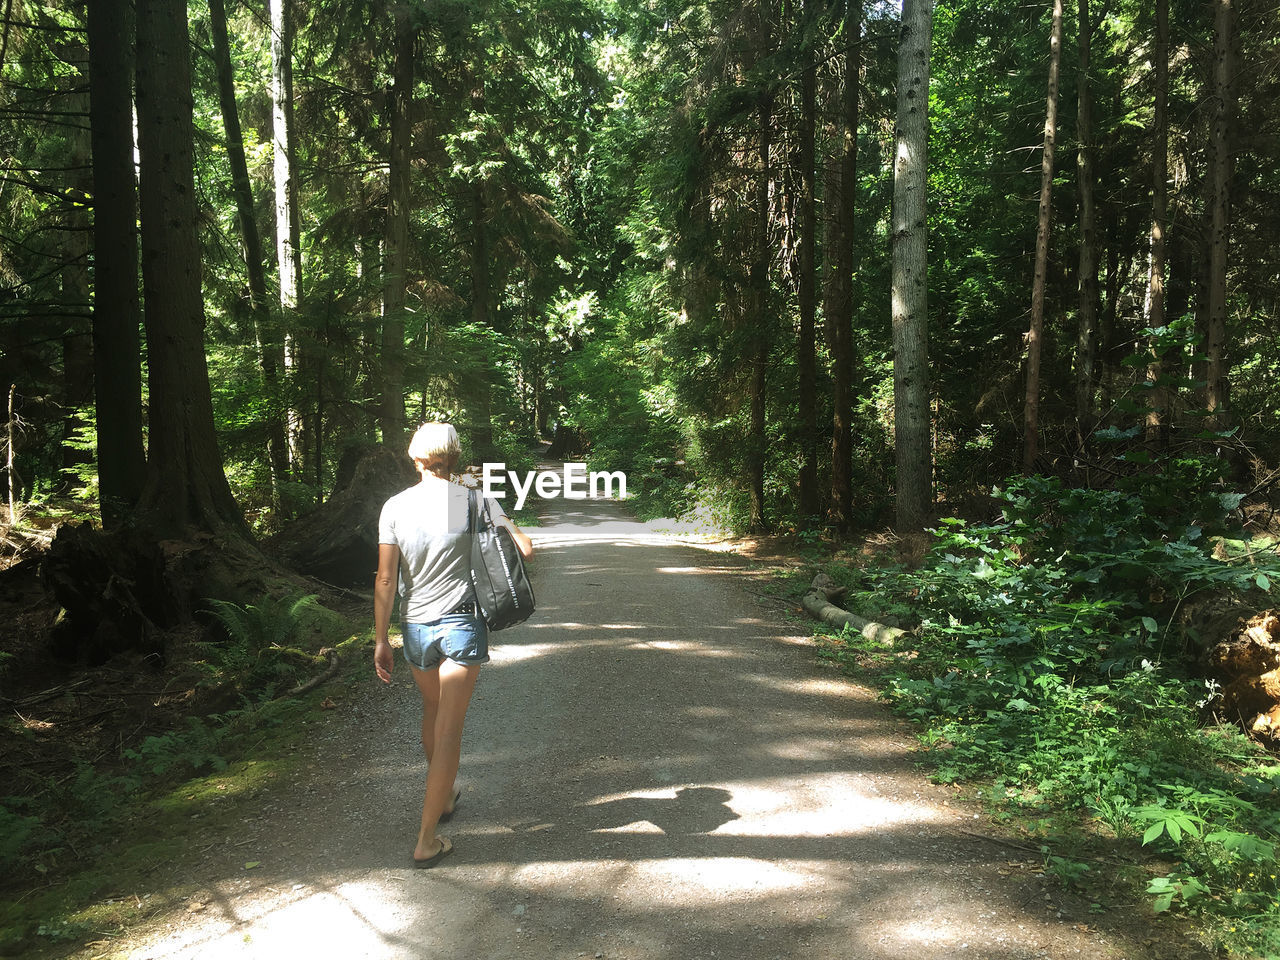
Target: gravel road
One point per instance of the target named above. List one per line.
(656, 767)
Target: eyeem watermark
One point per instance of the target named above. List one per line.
(573, 483)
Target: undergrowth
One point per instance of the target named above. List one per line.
(1050, 659)
(257, 654)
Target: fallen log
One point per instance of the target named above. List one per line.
(817, 605)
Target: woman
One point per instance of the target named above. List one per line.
(424, 546)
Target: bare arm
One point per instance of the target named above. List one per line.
(384, 594)
(523, 543)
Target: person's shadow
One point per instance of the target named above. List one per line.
(692, 810)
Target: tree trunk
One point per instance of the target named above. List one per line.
(1087, 339)
(396, 243)
(117, 363)
(288, 218)
(806, 363)
(1035, 335)
(1157, 415)
(910, 288)
(482, 298)
(838, 312)
(758, 317)
(368, 374)
(701, 290)
(10, 430)
(270, 353)
(77, 344)
(185, 484)
(481, 315)
(338, 542)
(1216, 398)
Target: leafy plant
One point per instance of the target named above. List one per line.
(256, 652)
(1046, 663)
(272, 622)
(190, 748)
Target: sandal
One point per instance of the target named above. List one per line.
(427, 863)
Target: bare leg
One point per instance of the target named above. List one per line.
(455, 683)
(428, 682)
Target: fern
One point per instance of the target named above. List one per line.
(271, 623)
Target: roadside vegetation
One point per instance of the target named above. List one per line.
(95, 801)
(1056, 668)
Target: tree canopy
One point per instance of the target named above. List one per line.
(627, 221)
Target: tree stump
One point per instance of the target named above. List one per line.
(113, 593)
(338, 542)
(1248, 667)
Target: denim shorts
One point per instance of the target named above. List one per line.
(462, 637)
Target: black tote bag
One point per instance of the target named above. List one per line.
(503, 592)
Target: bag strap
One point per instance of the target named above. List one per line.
(477, 512)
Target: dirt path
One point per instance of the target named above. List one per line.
(654, 768)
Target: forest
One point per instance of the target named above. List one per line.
(977, 299)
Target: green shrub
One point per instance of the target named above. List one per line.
(1047, 664)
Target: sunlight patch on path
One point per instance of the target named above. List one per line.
(824, 805)
(350, 919)
(652, 884)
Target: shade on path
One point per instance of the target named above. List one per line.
(655, 768)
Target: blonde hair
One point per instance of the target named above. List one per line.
(436, 446)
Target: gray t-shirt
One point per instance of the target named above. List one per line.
(428, 522)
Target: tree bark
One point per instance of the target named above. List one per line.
(806, 362)
(11, 430)
(482, 296)
(288, 221)
(117, 361)
(1035, 336)
(1157, 415)
(270, 352)
(758, 311)
(1086, 180)
(338, 541)
(838, 312)
(910, 288)
(818, 607)
(77, 344)
(185, 485)
(1216, 394)
(396, 242)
